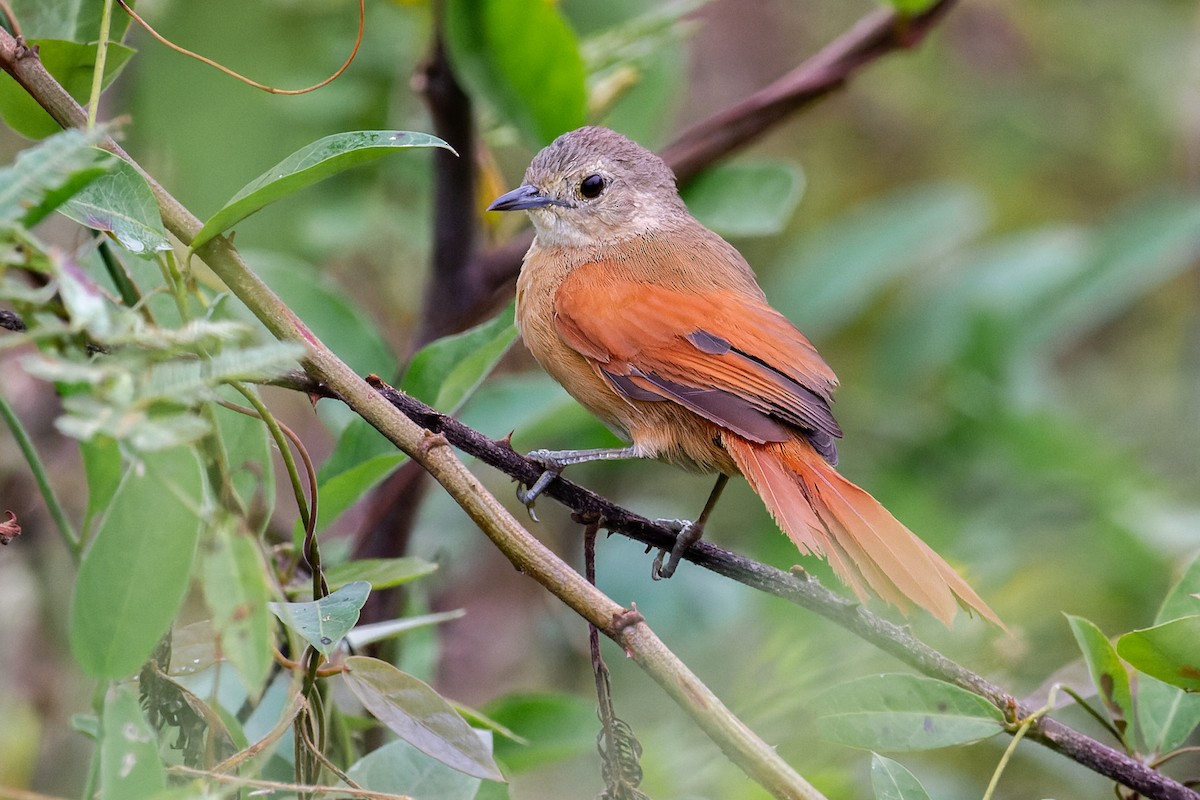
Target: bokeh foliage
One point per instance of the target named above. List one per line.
(995, 248)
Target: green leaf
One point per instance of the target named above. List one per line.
(1181, 601)
(905, 712)
(443, 374)
(344, 489)
(236, 592)
(77, 20)
(745, 199)
(401, 769)
(56, 168)
(134, 573)
(419, 716)
(555, 727)
(1169, 652)
(1108, 673)
(306, 166)
(381, 573)
(71, 64)
(524, 58)
(102, 466)
(364, 635)
(121, 204)
(891, 781)
(130, 768)
(1166, 715)
(324, 622)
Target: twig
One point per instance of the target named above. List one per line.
(872, 37)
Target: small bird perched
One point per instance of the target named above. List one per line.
(658, 327)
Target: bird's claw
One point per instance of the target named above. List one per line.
(553, 468)
(686, 535)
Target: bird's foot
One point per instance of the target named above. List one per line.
(687, 533)
(554, 467)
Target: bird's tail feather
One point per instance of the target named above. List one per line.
(827, 515)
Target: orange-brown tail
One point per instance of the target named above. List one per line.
(825, 514)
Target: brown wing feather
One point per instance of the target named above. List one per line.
(728, 357)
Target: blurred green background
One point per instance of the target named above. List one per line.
(995, 248)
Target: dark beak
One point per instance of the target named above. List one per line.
(522, 198)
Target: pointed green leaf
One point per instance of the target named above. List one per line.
(130, 768)
(419, 716)
(71, 64)
(891, 781)
(403, 770)
(121, 204)
(443, 374)
(1182, 601)
(306, 166)
(364, 635)
(236, 591)
(1169, 652)
(134, 573)
(324, 622)
(56, 168)
(524, 58)
(341, 491)
(756, 199)
(381, 573)
(1166, 715)
(905, 712)
(1108, 673)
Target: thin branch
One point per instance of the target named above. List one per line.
(874, 36)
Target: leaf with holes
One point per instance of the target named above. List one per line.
(323, 623)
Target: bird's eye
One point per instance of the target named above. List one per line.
(591, 186)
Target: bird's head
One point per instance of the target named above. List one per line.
(594, 185)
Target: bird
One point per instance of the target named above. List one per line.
(658, 327)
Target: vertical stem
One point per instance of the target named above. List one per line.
(101, 58)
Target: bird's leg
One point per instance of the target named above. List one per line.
(556, 460)
(686, 533)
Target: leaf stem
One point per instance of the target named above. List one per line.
(98, 70)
